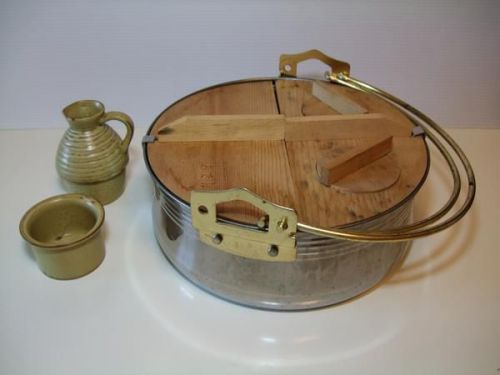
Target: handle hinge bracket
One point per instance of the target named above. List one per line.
(275, 243)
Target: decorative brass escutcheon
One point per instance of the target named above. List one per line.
(275, 242)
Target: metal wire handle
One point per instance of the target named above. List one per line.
(426, 226)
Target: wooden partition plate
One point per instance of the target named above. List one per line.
(337, 163)
(295, 95)
(329, 206)
(267, 136)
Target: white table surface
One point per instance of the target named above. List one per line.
(440, 314)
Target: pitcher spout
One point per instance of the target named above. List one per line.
(84, 114)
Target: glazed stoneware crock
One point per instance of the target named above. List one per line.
(65, 235)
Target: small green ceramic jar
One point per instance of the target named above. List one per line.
(65, 235)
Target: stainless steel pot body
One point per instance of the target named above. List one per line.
(327, 271)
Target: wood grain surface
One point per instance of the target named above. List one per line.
(336, 101)
(332, 165)
(250, 98)
(293, 95)
(218, 128)
(327, 206)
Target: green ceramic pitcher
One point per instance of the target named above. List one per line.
(91, 158)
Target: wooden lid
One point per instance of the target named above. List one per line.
(297, 143)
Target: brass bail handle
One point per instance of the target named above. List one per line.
(125, 120)
(288, 62)
(444, 143)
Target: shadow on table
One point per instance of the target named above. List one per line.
(424, 259)
(442, 255)
(439, 258)
(28, 251)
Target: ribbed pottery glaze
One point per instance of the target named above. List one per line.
(91, 155)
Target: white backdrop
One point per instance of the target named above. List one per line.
(442, 56)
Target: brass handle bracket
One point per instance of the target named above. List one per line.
(275, 243)
(288, 63)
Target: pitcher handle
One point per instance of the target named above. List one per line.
(126, 120)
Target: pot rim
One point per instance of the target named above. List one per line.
(165, 190)
(90, 202)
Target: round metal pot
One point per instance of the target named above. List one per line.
(328, 265)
